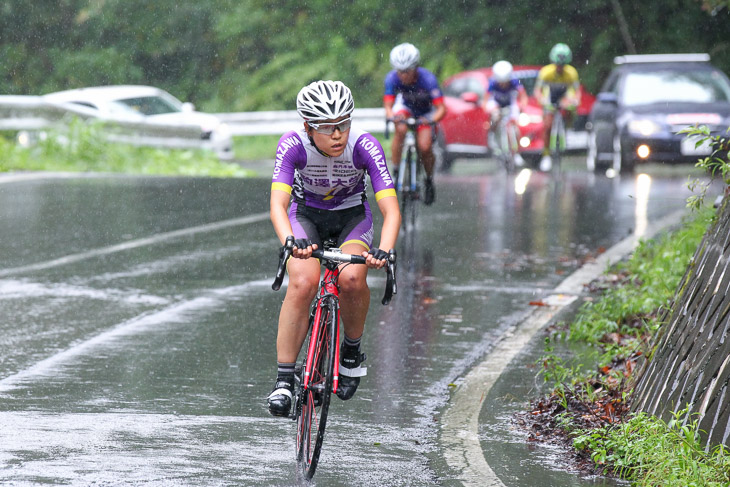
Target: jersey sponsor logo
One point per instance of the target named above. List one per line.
(281, 151)
(379, 159)
(368, 236)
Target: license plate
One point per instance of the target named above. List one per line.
(690, 147)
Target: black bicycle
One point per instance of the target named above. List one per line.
(408, 184)
(317, 377)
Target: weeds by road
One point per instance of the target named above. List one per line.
(83, 149)
(590, 412)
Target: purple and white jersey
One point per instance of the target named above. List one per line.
(331, 183)
(505, 96)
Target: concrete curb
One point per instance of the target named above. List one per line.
(460, 426)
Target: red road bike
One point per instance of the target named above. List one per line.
(317, 377)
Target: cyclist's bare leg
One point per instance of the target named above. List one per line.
(546, 126)
(425, 142)
(397, 146)
(354, 294)
(354, 303)
(294, 315)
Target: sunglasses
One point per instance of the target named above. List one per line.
(329, 128)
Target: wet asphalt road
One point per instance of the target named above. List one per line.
(138, 323)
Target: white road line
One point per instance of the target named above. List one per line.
(155, 239)
(460, 425)
(175, 313)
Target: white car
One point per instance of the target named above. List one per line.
(150, 107)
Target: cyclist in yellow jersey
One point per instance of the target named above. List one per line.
(557, 84)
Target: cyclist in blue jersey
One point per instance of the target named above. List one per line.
(412, 91)
(318, 191)
(504, 90)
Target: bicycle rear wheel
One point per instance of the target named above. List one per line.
(410, 195)
(505, 146)
(316, 396)
(557, 138)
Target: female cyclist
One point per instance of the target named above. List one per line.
(318, 191)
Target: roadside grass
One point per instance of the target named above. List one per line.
(590, 409)
(82, 148)
(651, 452)
(255, 147)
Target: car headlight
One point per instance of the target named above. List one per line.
(644, 127)
(525, 119)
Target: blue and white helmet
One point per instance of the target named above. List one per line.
(404, 57)
(324, 100)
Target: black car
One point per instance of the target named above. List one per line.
(646, 100)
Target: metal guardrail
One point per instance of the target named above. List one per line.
(19, 112)
(34, 114)
(278, 122)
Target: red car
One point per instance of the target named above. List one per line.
(462, 132)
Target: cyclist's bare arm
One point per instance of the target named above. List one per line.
(279, 204)
(388, 105)
(521, 97)
(539, 90)
(574, 93)
(389, 231)
(440, 113)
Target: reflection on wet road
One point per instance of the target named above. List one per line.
(138, 323)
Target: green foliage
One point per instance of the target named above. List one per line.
(83, 148)
(642, 449)
(656, 268)
(717, 163)
(230, 55)
(650, 452)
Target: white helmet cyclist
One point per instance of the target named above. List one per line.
(404, 57)
(502, 71)
(324, 100)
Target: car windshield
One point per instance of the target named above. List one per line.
(527, 79)
(149, 105)
(465, 84)
(472, 84)
(675, 86)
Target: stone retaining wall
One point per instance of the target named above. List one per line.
(691, 362)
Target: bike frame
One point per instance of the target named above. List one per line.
(328, 291)
(505, 134)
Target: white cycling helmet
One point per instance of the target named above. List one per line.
(324, 100)
(502, 71)
(404, 57)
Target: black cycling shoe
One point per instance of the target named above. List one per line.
(430, 193)
(350, 371)
(280, 398)
(395, 176)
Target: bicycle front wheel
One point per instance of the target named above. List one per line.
(557, 138)
(316, 396)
